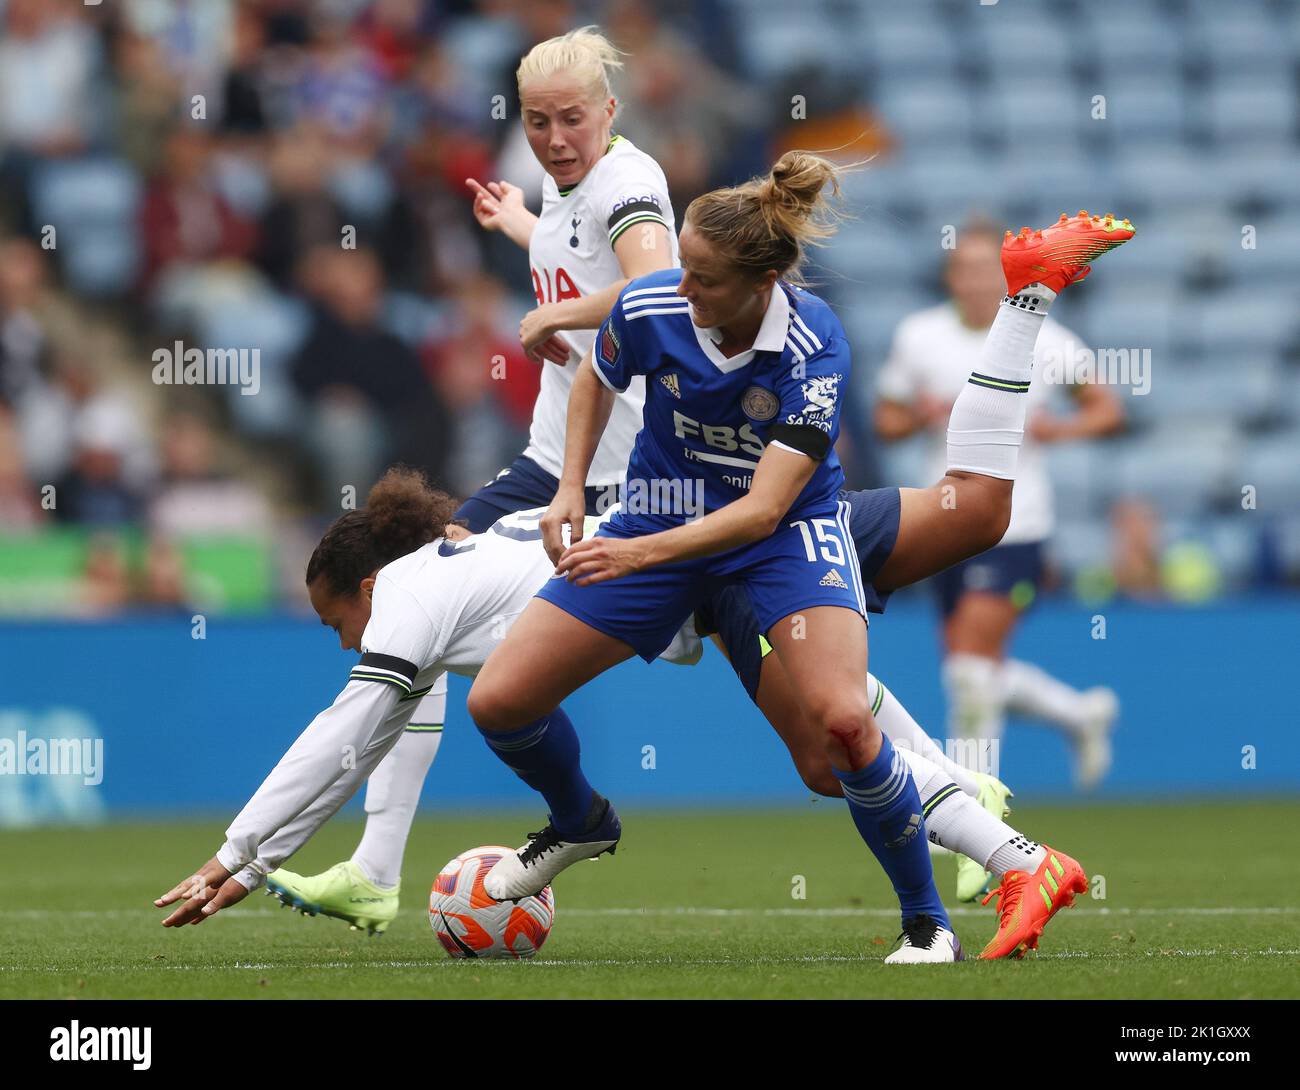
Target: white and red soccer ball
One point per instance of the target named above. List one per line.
(470, 924)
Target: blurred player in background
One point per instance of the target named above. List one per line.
(606, 218)
(982, 599)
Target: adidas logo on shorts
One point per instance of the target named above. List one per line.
(833, 579)
(671, 385)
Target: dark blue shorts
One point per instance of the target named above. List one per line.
(873, 523)
(806, 563)
(521, 486)
(1013, 570)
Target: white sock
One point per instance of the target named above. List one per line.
(1018, 853)
(975, 706)
(392, 795)
(897, 723)
(1029, 690)
(393, 791)
(953, 819)
(987, 423)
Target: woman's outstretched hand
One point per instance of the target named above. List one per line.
(499, 206)
(204, 893)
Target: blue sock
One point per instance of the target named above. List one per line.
(886, 808)
(544, 754)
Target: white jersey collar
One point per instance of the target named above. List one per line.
(771, 334)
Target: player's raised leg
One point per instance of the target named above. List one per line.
(824, 652)
(514, 701)
(968, 510)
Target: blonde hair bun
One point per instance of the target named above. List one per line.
(767, 222)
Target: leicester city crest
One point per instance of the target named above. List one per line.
(759, 403)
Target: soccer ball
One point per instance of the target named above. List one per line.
(470, 924)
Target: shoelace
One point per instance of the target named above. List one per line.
(538, 844)
(1008, 894)
(919, 931)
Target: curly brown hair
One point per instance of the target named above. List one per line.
(402, 512)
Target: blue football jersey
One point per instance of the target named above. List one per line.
(707, 418)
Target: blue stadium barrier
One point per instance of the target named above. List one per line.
(191, 726)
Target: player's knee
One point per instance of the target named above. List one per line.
(815, 771)
(995, 512)
(986, 502)
(846, 721)
(490, 709)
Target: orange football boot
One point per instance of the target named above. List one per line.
(1027, 901)
(1059, 255)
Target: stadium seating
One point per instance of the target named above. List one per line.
(93, 202)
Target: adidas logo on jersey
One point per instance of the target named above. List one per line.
(833, 579)
(672, 385)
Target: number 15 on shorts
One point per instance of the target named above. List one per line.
(829, 542)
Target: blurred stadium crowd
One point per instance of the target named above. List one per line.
(196, 170)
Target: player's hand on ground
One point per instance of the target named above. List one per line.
(497, 204)
(203, 893)
(599, 559)
(539, 336)
(568, 508)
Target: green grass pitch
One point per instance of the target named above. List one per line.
(1200, 902)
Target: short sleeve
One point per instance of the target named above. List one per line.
(634, 192)
(612, 355)
(810, 390)
(897, 378)
(400, 639)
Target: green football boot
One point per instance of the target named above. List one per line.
(343, 892)
(972, 879)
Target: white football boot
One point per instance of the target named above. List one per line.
(925, 942)
(534, 866)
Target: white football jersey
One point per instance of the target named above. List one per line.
(441, 608)
(571, 255)
(933, 353)
(448, 604)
